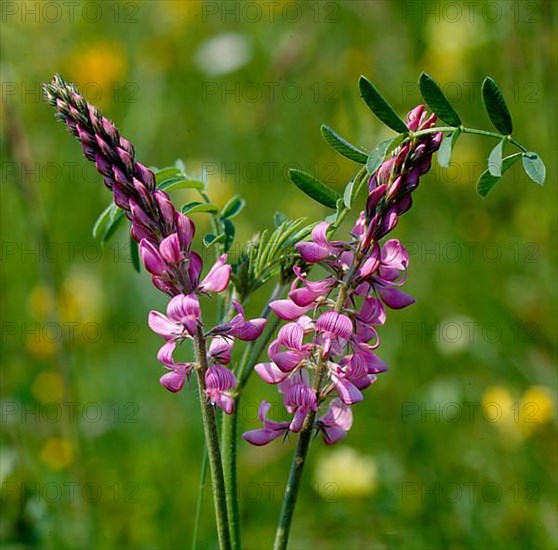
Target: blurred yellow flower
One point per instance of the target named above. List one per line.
(97, 68)
(536, 408)
(39, 345)
(345, 471)
(40, 301)
(57, 453)
(518, 418)
(48, 387)
(81, 298)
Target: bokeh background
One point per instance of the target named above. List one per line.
(454, 447)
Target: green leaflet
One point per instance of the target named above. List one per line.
(496, 107)
(495, 159)
(342, 146)
(378, 154)
(314, 188)
(446, 148)
(107, 223)
(487, 181)
(534, 167)
(233, 207)
(194, 206)
(134, 254)
(380, 107)
(437, 101)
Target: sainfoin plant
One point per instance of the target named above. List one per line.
(317, 339)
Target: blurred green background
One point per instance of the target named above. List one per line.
(454, 447)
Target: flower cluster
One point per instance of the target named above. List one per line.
(165, 238)
(325, 353)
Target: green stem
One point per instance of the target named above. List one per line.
(199, 499)
(212, 444)
(229, 428)
(302, 446)
(466, 130)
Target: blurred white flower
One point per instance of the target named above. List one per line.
(223, 54)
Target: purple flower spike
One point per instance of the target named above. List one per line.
(218, 380)
(346, 307)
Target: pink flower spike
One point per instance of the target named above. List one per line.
(218, 277)
(170, 249)
(218, 380)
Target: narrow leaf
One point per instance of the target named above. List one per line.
(487, 181)
(210, 239)
(165, 173)
(342, 146)
(180, 183)
(313, 188)
(279, 218)
(380, 107)
(534, 167)
(437, 101)
(495, 159)
(377, 156)
(233, 207)
(446, 148)
(230, 232)
(193, 207)
(107, 223)
(134, 254)
(348, 194)
(103, 220)
(496, 107)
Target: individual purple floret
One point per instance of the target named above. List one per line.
(326, 350)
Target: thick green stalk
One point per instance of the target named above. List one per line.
(212, 443)
(301, 451)
(229, 429)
